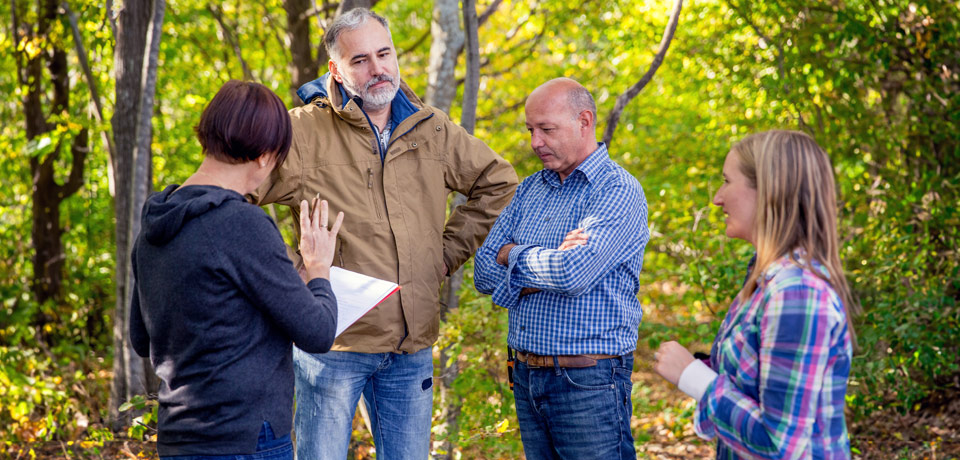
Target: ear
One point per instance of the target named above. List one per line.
(586, 119)
(334, 71)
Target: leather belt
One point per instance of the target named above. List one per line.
(572, 361)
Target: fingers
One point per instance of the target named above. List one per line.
(324, 214)
(574, 238)
(336, 225)
(316, 215)
(304, 217)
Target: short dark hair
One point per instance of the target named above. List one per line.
(243, 121)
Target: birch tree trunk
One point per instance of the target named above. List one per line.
(135, 61)
(447, 41)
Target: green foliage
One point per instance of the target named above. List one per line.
(476, 334)
(877, 84)
(146, 422)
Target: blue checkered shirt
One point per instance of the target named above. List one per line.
(588, 295)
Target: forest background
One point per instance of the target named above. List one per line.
(99, 99)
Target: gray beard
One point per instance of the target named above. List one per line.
(374, 100)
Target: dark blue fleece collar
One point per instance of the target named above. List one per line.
(400, 108)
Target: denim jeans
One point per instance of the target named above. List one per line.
(576, 413)
(397, 389)
(269, 447)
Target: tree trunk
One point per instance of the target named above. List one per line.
(303, 67)
(450, 296)
(47, 194)
(135, 61)
(471, 86)
(444, 49)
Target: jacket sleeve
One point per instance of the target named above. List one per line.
(487, 273)
(795, 341)
(285, 181)
(488, 182)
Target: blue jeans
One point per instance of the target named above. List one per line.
(576, 413)
(397, 389)
(269, 447)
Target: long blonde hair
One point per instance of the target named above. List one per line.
(796, 207)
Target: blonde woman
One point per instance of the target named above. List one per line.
(776, 379)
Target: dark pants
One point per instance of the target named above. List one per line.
(576, 413)
(269, 447)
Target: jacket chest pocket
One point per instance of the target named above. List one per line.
(354, 188)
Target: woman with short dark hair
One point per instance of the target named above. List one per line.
(217, 303)
(775, 382)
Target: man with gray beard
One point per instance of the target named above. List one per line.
(365, 143)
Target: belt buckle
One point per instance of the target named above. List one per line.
(531, 361)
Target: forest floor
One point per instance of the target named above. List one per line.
(662, 426)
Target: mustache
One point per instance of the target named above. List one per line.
(379, 78)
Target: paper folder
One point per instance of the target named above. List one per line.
(357, 294)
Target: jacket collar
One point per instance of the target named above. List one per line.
(327, 91)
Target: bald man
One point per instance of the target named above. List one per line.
(564, 259)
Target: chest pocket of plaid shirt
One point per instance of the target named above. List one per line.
(738, 353)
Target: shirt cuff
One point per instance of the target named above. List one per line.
(513, 256)
(695, 379)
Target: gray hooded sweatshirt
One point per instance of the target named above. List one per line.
(216, 306)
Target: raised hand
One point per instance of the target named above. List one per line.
(317, 244)
(670, 360)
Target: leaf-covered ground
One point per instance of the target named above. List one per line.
(661, 424)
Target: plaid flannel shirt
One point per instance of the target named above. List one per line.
(783, 359)
(588, 299)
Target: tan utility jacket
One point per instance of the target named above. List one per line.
(394, 225)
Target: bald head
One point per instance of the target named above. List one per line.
(561, 119)
(576, 98)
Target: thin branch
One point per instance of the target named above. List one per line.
(325, 9)
(502, 109)
(91, 83)
(524, 56)
(112, 19)
(47, 163)
(80, 148)
(622, 100)
(781, 67)
(232, 39)
(753, 25)
(274, 27)
(16, 43)
(491, 8)
(415, 44)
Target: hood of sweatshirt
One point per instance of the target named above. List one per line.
(166, 212)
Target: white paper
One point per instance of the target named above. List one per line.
(356, 295)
